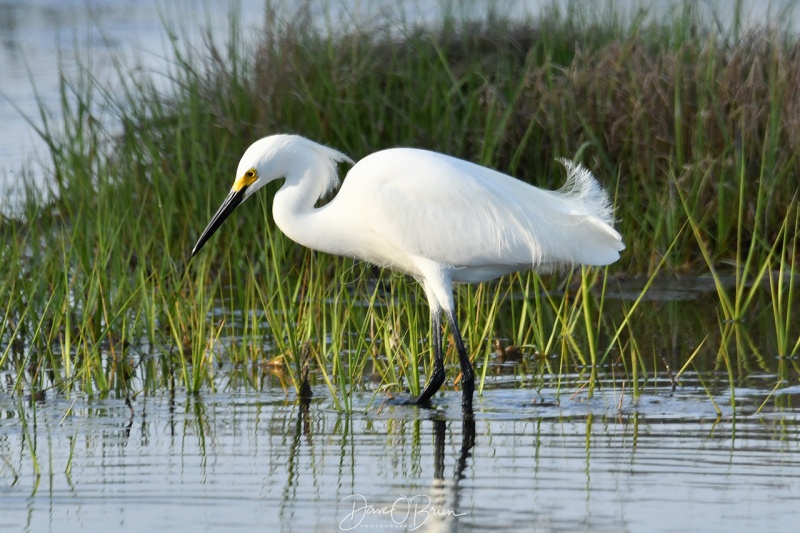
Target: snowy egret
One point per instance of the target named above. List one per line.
(432, 216)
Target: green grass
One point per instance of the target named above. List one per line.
(692, 132)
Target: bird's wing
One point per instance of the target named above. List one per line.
(461, 214)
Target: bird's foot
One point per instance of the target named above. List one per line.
(424, 399)
(433, 386)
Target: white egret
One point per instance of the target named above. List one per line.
(437, 218)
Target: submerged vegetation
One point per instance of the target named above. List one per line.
(695, 133)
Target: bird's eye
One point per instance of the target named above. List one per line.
(250, 173)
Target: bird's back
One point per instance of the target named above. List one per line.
(479, 221)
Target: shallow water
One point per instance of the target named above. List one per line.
(255, 461)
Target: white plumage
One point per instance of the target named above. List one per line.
(429, 215)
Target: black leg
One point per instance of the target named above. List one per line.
(437, 376)
(467, 375)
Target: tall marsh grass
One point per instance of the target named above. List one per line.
(696, 134)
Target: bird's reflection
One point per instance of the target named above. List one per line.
(465, 452)
(467, 443)
(446, 493)
(438, 508)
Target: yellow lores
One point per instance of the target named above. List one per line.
(248, 178)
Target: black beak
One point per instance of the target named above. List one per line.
(227, 207)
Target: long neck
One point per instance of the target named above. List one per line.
(293, 206)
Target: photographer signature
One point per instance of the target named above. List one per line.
(409, 511)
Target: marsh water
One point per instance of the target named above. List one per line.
(255, 460)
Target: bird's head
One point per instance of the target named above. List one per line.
(259, 165)
(268, 159)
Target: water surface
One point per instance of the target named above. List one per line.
(259, 461)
